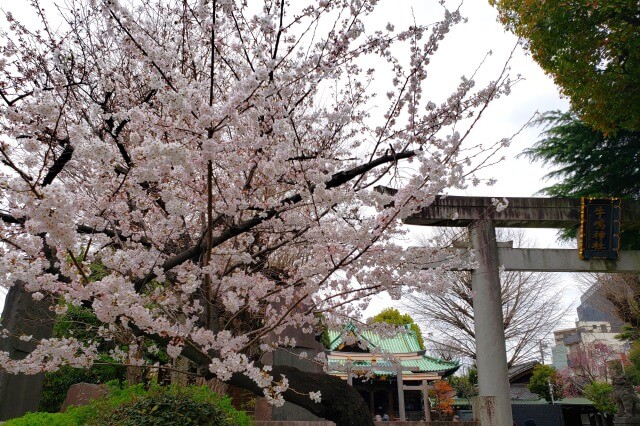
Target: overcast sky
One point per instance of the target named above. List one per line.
(460, 54)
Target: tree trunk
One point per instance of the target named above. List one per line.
(340, 402)
(135, 373)
(180, 364)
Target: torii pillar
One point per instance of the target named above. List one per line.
(481, 217)
(491, 352)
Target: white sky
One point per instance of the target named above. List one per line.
(460, 54)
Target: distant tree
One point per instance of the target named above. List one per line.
(592, 50)
(600, 394)
(394, 317)
(463, 386)
(623, 290)
(590, 361)
(570, 386)
(529, 309)
(543, 379)
(473, 376)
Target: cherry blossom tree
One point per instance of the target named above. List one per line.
(218, 158)
(590, 361)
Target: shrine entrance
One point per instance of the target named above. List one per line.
(481, 217)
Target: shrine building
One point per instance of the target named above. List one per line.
(381, 367)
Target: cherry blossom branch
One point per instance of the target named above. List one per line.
(142, 50)
(338, 179)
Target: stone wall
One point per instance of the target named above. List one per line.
(396, 423)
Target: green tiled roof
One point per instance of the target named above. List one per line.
(422, 364)
(540, 401)
(400, 343)
(574, 401)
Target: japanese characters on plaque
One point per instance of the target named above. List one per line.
(600, 228)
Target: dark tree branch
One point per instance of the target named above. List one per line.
(194, 252)
(115, 134)
(11, 220)
(82, 229)
(343, 177)
(16, 99)
(60, 162)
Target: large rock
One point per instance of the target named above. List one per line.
(82, 394)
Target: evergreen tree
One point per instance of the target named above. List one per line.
(600, 394)
(590, 163)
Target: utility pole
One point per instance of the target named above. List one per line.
(543, 345)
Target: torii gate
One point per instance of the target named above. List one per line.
(481, 217)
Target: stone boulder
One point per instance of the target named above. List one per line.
(82, 394)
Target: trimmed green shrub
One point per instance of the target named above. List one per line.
(545, 378)
(600, 393)
(43, 419)
(135, 406)
(171, 405)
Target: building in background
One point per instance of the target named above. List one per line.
(594, 306)
(585, 351)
